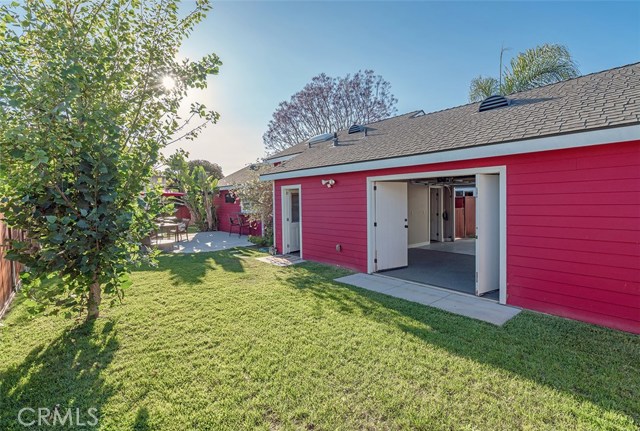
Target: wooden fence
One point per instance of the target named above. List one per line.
(465, 217)
(9, 271)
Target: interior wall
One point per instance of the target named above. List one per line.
(418, 215)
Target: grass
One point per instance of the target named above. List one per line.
(223, 341)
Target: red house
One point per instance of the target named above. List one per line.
(553, 174)
(229, 207)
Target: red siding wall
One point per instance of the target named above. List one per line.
(225, 210)
(573, 228)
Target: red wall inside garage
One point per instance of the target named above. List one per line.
(573, 228)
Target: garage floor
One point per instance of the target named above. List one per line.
(462, 246)
(455, 271)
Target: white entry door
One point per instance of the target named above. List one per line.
(291, 222)
(488, 233)
(391, 225)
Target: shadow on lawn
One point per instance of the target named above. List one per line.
(192, 268)
(585, 361)
(142, 420)
(67, 373)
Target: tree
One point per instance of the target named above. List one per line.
(257, 199)
(329, 104)
(198, 188)
(212, 169)
(89, 94)
(542, 65)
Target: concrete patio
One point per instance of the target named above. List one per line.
(466, 305)
(204, 241)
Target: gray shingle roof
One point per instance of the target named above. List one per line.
(243, 175)
(600, 100)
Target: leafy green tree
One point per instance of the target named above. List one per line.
(212, 169)
(257, 200)
(89, 95)
(199, 188)
(542, 65)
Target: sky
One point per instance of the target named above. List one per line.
(428, 51)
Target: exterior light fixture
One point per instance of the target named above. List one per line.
(328, 183)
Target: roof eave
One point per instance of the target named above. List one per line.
(584, 138)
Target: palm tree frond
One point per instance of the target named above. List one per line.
(483, 87)
(542, 65)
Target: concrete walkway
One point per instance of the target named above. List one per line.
(205, 241)
(458, 303)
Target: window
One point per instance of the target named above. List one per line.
(230, 198)
(295, 207)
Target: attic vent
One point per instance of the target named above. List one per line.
(355, 129)
(493, 102)
(319, 138)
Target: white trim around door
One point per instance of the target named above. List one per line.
(501, 170)
(285, 215)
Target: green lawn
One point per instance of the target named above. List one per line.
(222, 341)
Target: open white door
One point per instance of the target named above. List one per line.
(390, 225)
(488, 233)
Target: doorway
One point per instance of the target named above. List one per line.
(435, 214)
(291, 220)
(474, 264)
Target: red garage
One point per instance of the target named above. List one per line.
(553, 174)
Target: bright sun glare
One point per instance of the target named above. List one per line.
(168, 82)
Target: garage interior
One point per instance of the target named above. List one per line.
(441, 232)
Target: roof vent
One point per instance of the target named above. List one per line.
(355, 129)
(493, 102)
(319, 138)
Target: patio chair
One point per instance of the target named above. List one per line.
(235, 223)
(183, 228)
(244, 223)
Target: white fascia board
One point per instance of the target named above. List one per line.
(549, 143)
(226, 187)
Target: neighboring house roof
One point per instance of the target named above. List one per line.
(245, 174)
(600, 100)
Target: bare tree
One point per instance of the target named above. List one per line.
(328, 104)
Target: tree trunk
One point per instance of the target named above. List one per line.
(94, 301)
(209, 219)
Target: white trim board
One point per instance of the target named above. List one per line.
(285, 239)
(549, 143)
(274, 220)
